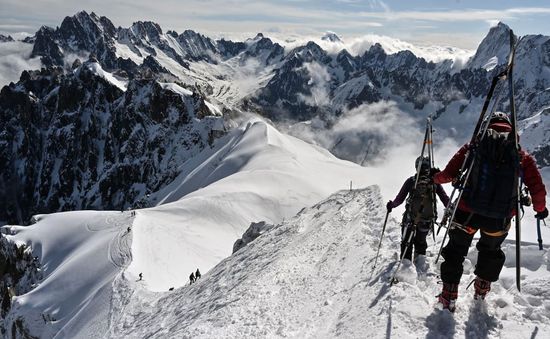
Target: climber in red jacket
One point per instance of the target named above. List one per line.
(470, 218)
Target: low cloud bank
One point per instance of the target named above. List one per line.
(380, 136)
(14, 59)
(358, 46)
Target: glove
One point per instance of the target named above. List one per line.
(434, 171)
(543, 214)
(389, 206)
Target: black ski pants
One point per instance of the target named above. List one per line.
(490, 258)
(418, 241)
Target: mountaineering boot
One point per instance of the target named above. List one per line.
(448, 296)
(481, 287)
(421, 263)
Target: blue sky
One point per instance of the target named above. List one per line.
(461, 23)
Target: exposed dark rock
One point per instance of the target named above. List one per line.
(254, 230)
(20, 272)
(4, 38)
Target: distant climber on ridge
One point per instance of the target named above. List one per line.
(197, 274)
(420, 209)
(487, 204)
(191, 278)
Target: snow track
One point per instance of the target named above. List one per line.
(310, 277)
(82, 253)
(120, 248)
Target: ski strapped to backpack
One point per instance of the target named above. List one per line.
(482, 144)
(410, 221)
(514, 135)
(432, 165)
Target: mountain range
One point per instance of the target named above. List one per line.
(139, 101)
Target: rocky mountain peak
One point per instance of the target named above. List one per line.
(374, 55)
(331, 36)
(146, 30)
(4, 38)
(312, 52)
(493, 49)
(46, 47)
(197, 46)
(376, 49)
(172, 33)
(82, 24)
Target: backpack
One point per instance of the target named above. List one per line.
(491, 189)
(420, 203)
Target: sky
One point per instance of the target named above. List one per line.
(457, 23)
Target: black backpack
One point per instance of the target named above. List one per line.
(491, 189)
(420, 203)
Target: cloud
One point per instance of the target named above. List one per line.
(7, 28)
(245, 78)
(492, 22)
(378, 4)
(456, 15)
(362, 134)
(14, 59)
(380, 136)
(319, 82)
(358, 46)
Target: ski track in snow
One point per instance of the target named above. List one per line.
(312, 277)
(120, 246)
(119, 254)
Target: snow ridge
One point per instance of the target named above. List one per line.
(311, 277)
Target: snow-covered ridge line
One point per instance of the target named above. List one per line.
(311, 276)
(96, 68)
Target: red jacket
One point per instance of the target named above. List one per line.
(530, 176)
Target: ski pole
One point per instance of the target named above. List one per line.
(539, 235)
(407, 244)
(381, 237)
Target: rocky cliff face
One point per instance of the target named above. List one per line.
(84, 139)
(19, 273)
(4, 38)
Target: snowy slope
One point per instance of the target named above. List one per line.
(96, 68)
(535, 136)
(81, 253)
(256, 173)
(312, 277)
(253, 174)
